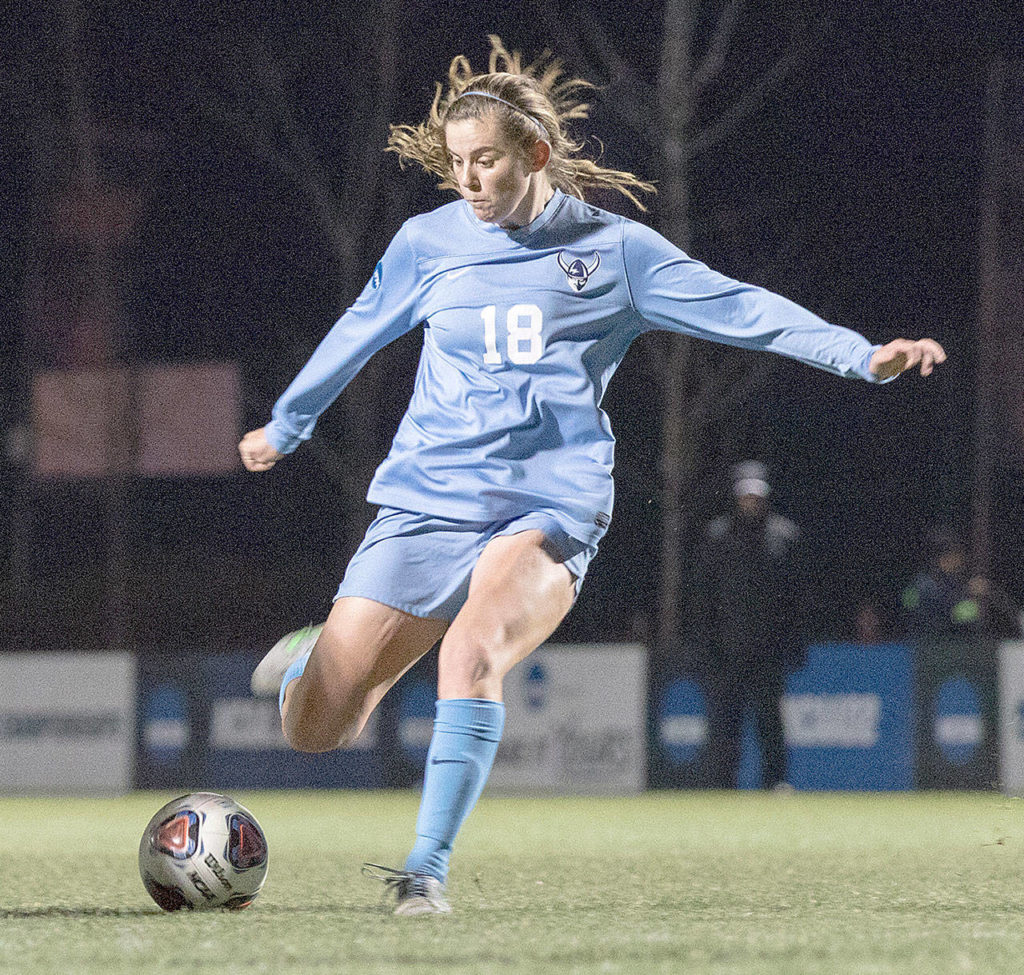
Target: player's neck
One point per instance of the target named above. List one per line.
(532, 206)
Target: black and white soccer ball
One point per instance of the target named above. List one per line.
(203, 850)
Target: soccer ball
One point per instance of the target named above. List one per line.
(203, 850)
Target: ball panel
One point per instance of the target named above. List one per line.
(168, 898)
(247, 846)
(178, 836)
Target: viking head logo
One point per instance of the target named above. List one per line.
(576, 272)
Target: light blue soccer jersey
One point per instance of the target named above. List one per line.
(523, 329)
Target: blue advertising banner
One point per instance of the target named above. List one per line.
(170, 721)
(848, 717)
(678, 732)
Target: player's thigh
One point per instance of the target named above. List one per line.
(518, 594)
(363, 649)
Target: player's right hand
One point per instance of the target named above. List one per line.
(256, 451)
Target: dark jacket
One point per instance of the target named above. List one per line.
(746, 612)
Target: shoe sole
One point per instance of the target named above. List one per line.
(419, 906)
(266, 678)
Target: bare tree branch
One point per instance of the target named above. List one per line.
(598, 39)
(626, 96)
(311, 175)
(264, 119)
(675, 104)
(713, 401)
(714, 57)
(366, 152)
(798, 53)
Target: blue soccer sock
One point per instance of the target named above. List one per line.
(462, 750)
(295, 669)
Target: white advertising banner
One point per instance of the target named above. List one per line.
(1011, 716)
(66, 722)
(575, 721)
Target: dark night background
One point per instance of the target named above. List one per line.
(854, 190)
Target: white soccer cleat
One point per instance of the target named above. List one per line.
(266, 678)
(415, 893)
(421, 894)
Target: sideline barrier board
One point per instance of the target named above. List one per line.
(1011, 716)
(171, 717)
(246, 749)
(957, 713)
(200, 728)
(847, 714)
(575, 722)
(849, 720)
(66, 722)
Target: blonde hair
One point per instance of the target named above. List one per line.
(531, 103)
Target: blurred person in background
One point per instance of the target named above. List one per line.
(747, 614)
(947, 597)
(870, 624)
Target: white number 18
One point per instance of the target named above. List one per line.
(524, 344)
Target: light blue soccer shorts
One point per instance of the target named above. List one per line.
(421, 564)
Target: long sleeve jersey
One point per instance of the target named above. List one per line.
(522, 331)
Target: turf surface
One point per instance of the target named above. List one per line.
(668, 882)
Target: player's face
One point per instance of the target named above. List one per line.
(491, 176)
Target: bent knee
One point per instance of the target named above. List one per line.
(313, 740)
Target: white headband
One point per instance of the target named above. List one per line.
(496, 98)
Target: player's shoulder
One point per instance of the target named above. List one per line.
(576, 223)
(586, 214)
(432, 230)
(640, 236)
(587, 217)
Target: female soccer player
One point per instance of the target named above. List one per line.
(498, 486)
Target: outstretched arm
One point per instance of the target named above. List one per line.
(903, 354)
(378, 316)
(670, 290)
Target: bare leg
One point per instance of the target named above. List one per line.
(518, 595)
(363, 649)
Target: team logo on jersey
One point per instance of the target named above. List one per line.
(378, 276)
(576, 272)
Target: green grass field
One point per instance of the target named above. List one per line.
(667, 882)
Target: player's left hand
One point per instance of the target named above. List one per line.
(903, 354)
